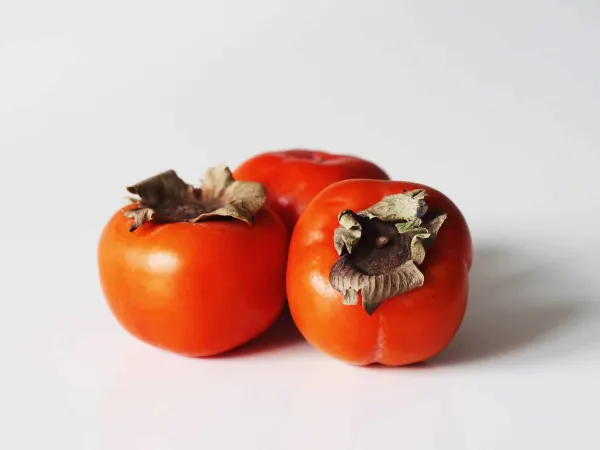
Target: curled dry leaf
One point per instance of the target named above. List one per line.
(375, 288)
(407, 206)
(348, 234)
(359, 242)
(166, 198)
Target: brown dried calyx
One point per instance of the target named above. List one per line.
(165, 198)
(381, 247)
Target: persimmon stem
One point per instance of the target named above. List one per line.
(381, 247)
(165, 198)
(381, 241)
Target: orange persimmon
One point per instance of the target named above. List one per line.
(378, 271)
(194, 271)
(293, 177)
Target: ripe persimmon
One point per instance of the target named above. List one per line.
(378, 271)
(197, 271)
(294, 177)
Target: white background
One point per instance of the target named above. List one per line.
(495, 103)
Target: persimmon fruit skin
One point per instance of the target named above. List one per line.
(294, 177)
(409, 328)
(195, 289)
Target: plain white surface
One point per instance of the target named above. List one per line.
(495, 103)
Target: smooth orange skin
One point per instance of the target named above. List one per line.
(409, 328)
(294, 177)
(195, 289)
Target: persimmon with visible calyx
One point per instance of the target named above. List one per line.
(378, 271)
(294, 177)
(197, 271)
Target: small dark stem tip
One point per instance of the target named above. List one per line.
(381, 241)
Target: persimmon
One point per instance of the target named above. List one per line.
(196, 271)
(293, 177)
(378, 271)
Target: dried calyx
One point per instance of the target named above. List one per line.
(165, 198)
(381, 247)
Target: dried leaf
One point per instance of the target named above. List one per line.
(435, 224)
(404, 227)
(139, 216)
(215, 182)
(347, 235)
(417, 249)
(349, 281)
(159, 188)
(166, 198)
(389, 269)
(380, 287)
(405, 206)
(350, 297)
(227, 197)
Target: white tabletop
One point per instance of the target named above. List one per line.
(496, 104)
